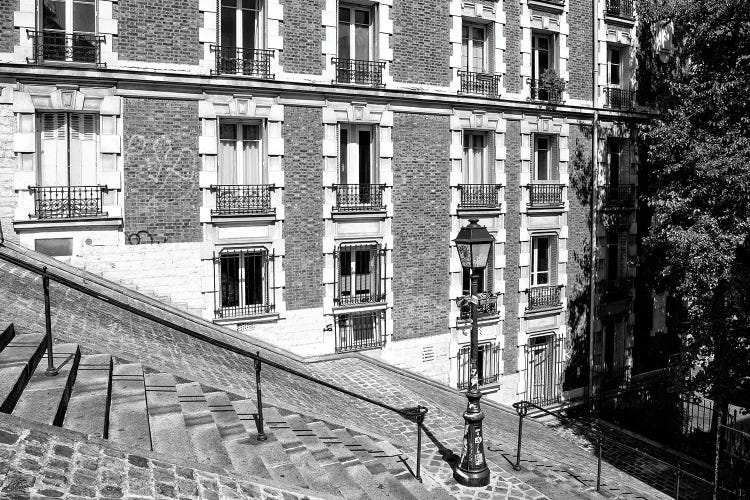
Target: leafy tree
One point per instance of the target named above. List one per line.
(698, 188)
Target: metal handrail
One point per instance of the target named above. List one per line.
(416, 414)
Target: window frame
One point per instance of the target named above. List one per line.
(69, 17)
(488, 358)
(468, 43)
(39, 164)
(551, 38)
(376, 292)
(612, 64)
(238, 144)
(243, 308)
(260, 32)
(372, 46)
(534, 261)
(350, 156)
(548, 163)
(469, 156)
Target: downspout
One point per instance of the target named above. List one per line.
(594, 196)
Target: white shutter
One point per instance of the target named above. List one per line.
(84, 132)
(53, 169)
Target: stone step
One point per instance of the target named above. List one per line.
(169, 433)
(382, 468)
(271, 452)
(208, 445)
(18, 360)
(88, 407)
(45, 398)
(241, 448)
(128, 417)
(7, 333)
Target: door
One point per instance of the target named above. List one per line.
(356, 163)
(543, 374)
(240, 33)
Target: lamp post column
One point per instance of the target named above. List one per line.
(472, 469)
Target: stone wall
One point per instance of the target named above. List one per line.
(512, 46)
(421, 42)
(303, 35)
(7, 167)
(8, 33)
(512, 245)
(580, 43)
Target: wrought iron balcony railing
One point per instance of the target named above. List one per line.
(244, 311)
(241, 61)
(545, 195)
(614, 286)
(621, 8)
(479, 83)
(490, 356)
(67, 202)
(619, 98)
(359, 197)
(360, 330)
(243, 199)
(619, 196)
(487, 306)
(66, 47)
(543, 297)
(359, 71)
(543, 92)
(479, 195)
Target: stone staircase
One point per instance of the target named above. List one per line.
(145, 410)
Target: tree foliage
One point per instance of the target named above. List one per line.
(698, 188)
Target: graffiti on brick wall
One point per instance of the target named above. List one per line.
(168, 162)
(143, 237)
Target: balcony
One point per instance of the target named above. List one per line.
(244, 311)
(243, 199)
(67, 202)
(240, 61)
(620, 8)
(57, 46)
(487, 306)
(543, 297)
(489, 356)
(615, 287)
(620, 196)
(544, 91)
(360, 331)
(479, 195)
(479, 83)
(619, 98)
(545, 195)
(359, 197)
(359, 72)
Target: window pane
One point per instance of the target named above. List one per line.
(362, 17)
(249, 29)
(53, 15)
(362, 42)
(344, 35)
(343, 155)
(228, 131)
(345, 263)
(228, 26)
(251, 132)
(362, 263)
(230, 280)
(84, 17)
(542, 254)
(254, 279)
(364, 159)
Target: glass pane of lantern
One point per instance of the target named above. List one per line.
(480, 253)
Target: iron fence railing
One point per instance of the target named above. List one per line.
(242, 61)
(479, 195)
(365, 283)
(359, 71)
(244, 283)
(545, 195)
(66, 47)
(479, 83)
(543, 297)
(488, 357)
(66, 202)
(359, 197)
(619, 196)
(243, 199)
(621, 8)
(620, 98)
(486, 306)
(539, 91)
(359, 331)
(544, 366)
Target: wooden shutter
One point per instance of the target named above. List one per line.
(491, 157)
(53, 169)
(84, 132)
(554, 159)
(553, 260)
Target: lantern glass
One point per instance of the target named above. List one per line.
(479, 254)
(473, 245)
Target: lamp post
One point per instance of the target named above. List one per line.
(473, 244)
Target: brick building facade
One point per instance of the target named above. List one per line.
(304, 167)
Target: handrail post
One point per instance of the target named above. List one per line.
(261, 434)
(599, 464)
(521, 408)
(420, 420)
(51, 370)
(677, 488)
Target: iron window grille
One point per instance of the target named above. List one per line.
(479, 195)
(545, 195)
(620, 98)
(360, 330)
(620, 195)
(359, 71)
(544, 92)
(488, 365)
(486, 306)
(360, 274)
(60, 46)
(543, 297)
(359, 197)
(242, 61)
(479, 83)
(243, 280)
(67, 202)
(545, 365)
(621, 8)
(243, 199)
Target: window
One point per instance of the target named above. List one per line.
(474, 49)
(475, 162)
(68, 31)
(355, 37)
(485, 281)
(542, 55)
(614, 66)
(360, 274)
(360, 330)
(545, 167)
(241, 24)
(614, 153)
(357, 188)
(69, 149)
(244, 287)
(617, 257)
(543, 260)
(488, 365)
(241, 154)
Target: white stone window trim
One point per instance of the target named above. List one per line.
(529, 23)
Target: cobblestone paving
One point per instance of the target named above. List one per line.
(553, 466)
(38, 464)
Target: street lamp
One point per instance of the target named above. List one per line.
(473, 244)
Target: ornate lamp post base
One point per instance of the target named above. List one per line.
(472, 470)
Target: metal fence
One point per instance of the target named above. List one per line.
(358, 331)
(243, 199)
(359, 197)
(241, 61)
(543, 297)
(620, 195)
(487, 306)
(545, 364)
(360, 274)
(66, 47)
(620, 8)
(544, 92)
(488, 361)
(545, 195)
(620, 98)
(359, 71)
(65, 202)
(479, 195)
(479, 83)
(244, 281)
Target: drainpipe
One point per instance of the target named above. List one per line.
(594, 196)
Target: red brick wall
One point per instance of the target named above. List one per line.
(421, 43)
(8, 34)
(421, 225)
(512, 245)
(158, 31)
(580, 45)
(161, 168)
(512, 46)
(303, 200)
(303, 35)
